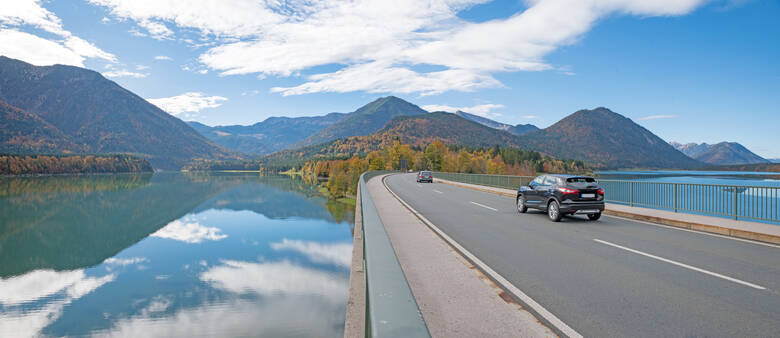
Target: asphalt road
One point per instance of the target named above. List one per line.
(612, 277)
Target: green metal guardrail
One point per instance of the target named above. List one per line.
(733, 201)
(391, 310)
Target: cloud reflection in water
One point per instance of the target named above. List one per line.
(189, 232)
(277, 278)
(295, 301)
(56, 289)
(338, 253)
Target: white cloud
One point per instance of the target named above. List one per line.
(379, 43)
(656, 117)
(124, 73)
(251, 92)
(87, 50)
(481, 109)
(530, 117)
(163, 58)
(234, 18)
(141, 67)
(67, 49)
(17, 13)
(35, 50)
(156, 30)
(187, 102)
(376, 78)
(338, 253)
(189, 232)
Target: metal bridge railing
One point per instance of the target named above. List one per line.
(498, 181)
(733, 201)
(391, 310)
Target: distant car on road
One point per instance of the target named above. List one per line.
(425, 176)
(560, 195)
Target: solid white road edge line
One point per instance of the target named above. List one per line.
(714, 274)
(547, 315)
(484, 206)
(696, 231)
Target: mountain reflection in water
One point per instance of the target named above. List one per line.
(171, 255)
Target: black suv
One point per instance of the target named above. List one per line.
(560, 195)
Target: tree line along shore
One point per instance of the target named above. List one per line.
(14, 164)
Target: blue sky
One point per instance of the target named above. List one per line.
(688, 70)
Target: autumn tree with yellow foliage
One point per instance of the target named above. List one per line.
(343, 175)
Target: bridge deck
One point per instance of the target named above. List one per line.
(613, 277)
(455, 299)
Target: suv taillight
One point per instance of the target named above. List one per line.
(567, 191)
(601, 191)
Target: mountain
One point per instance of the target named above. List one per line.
(483, 120)
(101, 116)
(421, 130)
(603, 137)
(273, 134)
(521, 129)
(721, 153)
(417, 130)
(364, 121)
(246, 144)
(23, 132)
(729, 153)
(690, 149)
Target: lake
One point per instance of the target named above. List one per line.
(172, 254)
(761, 179)
(752, 196)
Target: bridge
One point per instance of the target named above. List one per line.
(457, 260)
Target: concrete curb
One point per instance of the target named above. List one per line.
(737, 233)
(355, 322)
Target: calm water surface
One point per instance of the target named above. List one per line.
(171, 255)
(761, 179)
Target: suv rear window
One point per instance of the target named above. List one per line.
(580, 180)
(425, 173)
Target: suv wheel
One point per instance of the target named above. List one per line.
(554, 211)
(521, 207)
(594, 217)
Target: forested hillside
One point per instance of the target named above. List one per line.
(98, 115)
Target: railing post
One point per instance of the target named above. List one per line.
(675, 197)
(631, 193)
(735, 202)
